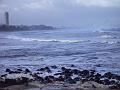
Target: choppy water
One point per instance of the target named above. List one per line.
(91, 49)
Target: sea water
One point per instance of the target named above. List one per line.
(97, 49)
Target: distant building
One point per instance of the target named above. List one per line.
(7, 18)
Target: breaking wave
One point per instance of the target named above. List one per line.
(106, 36)
(43, 40)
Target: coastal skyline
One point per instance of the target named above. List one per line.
(62, 12)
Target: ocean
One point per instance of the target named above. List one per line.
(97, 49)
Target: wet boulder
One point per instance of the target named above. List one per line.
(54, 66)
(60, 78)
(70, 80)
(108, 75)
(58, 74)
(113, 82)
(115, 87)
(97, 76)
(67, 72)
(2, 82)
(35, 75)
(3, 75)
(49, 79)
(97, 79)
(72, 65)
(92, 72)
(84, 73)
(40, 79)
(9, 82)
(27, 70)
(63, 68)
(8, 70)
(46, 69)
(11, 72)
(117, 77)
(24, 80)
(84, 80)
(77, 78)
(20, 70)
(75, 71)
(106, 82)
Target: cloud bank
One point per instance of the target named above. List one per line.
(47, 4)
(97, 3)
(62, 12)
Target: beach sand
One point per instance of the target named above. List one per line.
(36, 86)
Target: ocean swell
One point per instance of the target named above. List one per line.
(42, 40)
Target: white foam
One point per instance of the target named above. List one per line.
(43, 40)
(15, 76)
(106, 36)
(110, 42)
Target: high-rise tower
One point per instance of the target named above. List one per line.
(7, 18)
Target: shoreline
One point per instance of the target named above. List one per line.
(64, 78)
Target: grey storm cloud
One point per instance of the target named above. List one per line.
(48, 4)
(62, 12)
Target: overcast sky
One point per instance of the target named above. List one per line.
(62, 12)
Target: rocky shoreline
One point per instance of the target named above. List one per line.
(63, 79)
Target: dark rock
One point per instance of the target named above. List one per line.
(41, 69)
(67, 72)
(58, 74)
(27, 71)
(98, 75)
(106, 82)
(116, 77)
(16, 72)
(63, 68)
(49, 79)
(2, 83)
(75, 71)
(94, 57)
(40, 79)
(11, 72)
(60, 78)
(91, 79)
(8, 70)
(84, 80)
(84, 73)
(108, 75)
(35, 75)
(19, 70)
(72, 65)
(52, 77)
(3, 89)
(97, 79)
(92, 72)
(77, 78)
(113, 87)
(70, 80)
(54, 67)
(112, 82)
(9, 82)
(47, 69)
(4, 75)
(24, 80)
(98, 65)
